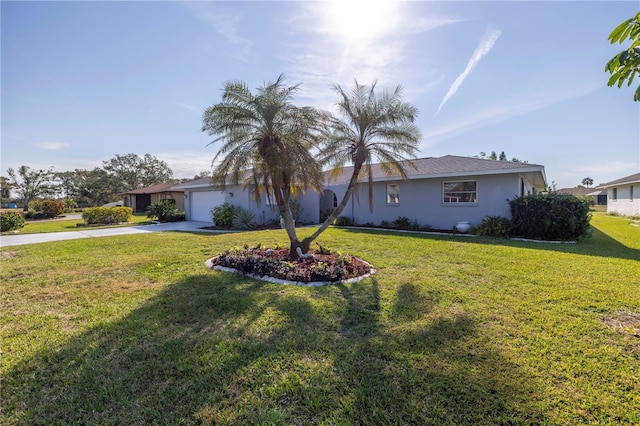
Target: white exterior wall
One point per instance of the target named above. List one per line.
(422, 200)
(624, 205)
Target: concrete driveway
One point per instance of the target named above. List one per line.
(187, 226)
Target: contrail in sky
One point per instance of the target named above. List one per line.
(484, 47)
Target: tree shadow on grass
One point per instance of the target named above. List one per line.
(598, 244)
(220, 348)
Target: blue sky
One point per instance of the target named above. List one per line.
(83, 81)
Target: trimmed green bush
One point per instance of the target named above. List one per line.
(343, 221)
(550, 217)
(10, 221)
(52, 208)
(494, 226)
(106, 215)
(176, 216)
(222, 215)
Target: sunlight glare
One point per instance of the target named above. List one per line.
(361, 19)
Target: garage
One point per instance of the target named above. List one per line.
(202, 202)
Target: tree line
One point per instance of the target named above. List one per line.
(85, 188)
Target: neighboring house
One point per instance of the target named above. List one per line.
(438, 192)
(598, 194)
(624, 195)
(140, 199)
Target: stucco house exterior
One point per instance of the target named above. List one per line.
(623, 195)
(439, 192)
(139, 199)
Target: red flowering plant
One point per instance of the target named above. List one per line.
(317, 266)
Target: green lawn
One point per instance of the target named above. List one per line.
(61, 225)
(135, 330)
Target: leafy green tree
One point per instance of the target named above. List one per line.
(373, 128)
(96, 187)
(266, 142)
(625, 65)
(5, 190)
(30, 183)
(133, 172)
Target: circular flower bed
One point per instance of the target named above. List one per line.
(314, 269)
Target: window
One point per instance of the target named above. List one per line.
(460, 192)
(335, 200)
(614, 194)
(393, 193)
(631, 193)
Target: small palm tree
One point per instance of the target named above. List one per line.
(267, 142)
(373, 127)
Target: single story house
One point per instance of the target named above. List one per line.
(598, 194)
(624, 195)
(439, 191)
(140, 199)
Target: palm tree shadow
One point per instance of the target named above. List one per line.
(598, 244)
(227, 350)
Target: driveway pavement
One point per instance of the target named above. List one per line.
(187, 226)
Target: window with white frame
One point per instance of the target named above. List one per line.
(614, 194)
(460, 192)
(393, 193)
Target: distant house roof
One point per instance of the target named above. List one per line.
(195, 183)
(451, 166)
(583, 192)
(635, 178)
(154, 189)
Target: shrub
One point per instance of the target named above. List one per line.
(494, 226)
(385, 224)
(161, 209)
(122, 214)
(402, 222)
(243, 219)
(10, 221)
(343, 221)
(176, 216)
(52, 208)
(222, 215)
(550, 216)
(106, 215)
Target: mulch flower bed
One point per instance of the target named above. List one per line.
(321, 267)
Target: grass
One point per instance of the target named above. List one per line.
(449, 331)
(61, 225)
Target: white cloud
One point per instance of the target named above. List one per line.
(190, 107)
(186, 164)
(502, 111)
(485, 45)
(223, 23)
(333, 55)
(52, 146)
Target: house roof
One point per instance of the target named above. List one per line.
(451, 166)
(195, 183)
(635, 178)
(582, 192)
(154, 189)
(430, 167)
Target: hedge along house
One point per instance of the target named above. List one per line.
(623, 195)
(439, 191)
(140, 199)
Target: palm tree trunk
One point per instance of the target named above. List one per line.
(337, 211)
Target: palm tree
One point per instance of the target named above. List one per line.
(372, 128)
(266, 142)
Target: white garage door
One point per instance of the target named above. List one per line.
(203, 202)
